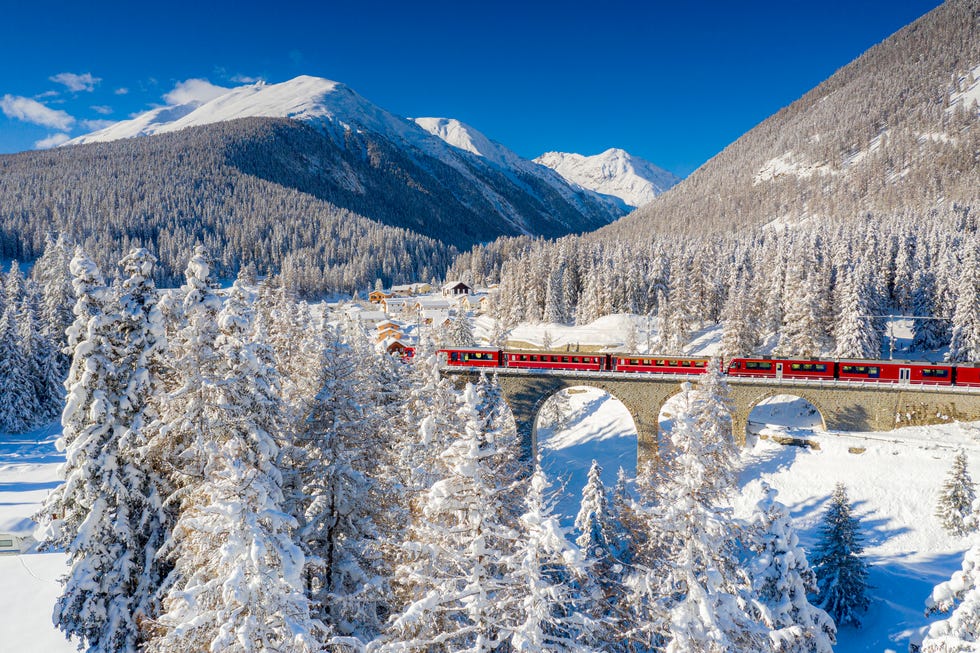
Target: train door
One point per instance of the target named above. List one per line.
(904, 375)
(779, 370)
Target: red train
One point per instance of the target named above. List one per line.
(866, 371)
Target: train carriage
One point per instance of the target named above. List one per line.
(556, 361)
(781, 368)
(968, 375)
(659, 364)
(895, 372)
(475, 357)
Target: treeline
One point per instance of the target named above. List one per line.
(175, 191)
(804, 290)
(887, 133)
(242, 474)
(35, 312)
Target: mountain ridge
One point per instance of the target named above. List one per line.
(614, 172)
(888, 133)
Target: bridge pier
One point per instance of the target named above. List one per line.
(842, 406)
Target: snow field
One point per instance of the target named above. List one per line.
(893, 485)
(29, 583)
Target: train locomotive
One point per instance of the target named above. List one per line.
(856, 371)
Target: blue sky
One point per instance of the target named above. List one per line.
(673, 82)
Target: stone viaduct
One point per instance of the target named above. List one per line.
(843, 406)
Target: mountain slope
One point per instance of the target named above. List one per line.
(892, 132)
(501, 193)
(463, 137)
(251, 190)
(613, 172)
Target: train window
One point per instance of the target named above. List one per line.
(564, 359)
(685, 363)
(820, 368)
(661, 363)
(454, 356)
(795, 367)
(734, 365)
(755, 365)
(940, 373)
(872, 371)
(574, 359)
(671, 363)
(701, 363)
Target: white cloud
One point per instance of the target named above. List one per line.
(194, 90)
(96, 125)
(103, 109)
(53, 140)
(76, 83)
(121, 91)
(32, 111)
(245, 79)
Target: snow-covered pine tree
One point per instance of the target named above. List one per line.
(782, 578)
(460, 330)
(965, 342)
(960, 632)
(141, 343)
(540, 602)
(52, 274)
(333, 496)
(239, 574)
(927, 334)
(95, 514)
(556, 411)
(712, 610)
(739, 323)
(955, 506)
(452, 572)
(712, 407)
(800, 333)
(604, 545)
(842, 575)
(43, 366)
(855, 333)
(19, 406)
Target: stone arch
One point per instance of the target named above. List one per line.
(746, 411)
(567, 384)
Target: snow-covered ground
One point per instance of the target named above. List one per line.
(28, 582)
(893, 484)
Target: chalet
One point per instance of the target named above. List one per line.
(473, 301)
(389, 329)
(409, 289)
(454, 288)
(436, 317)
(395, 304)
(432, 304)
(369, 319)
(376, 296)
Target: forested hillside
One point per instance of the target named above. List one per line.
(896, 130)
(334, 209)
(859, 200)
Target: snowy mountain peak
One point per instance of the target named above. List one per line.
(462, 136)
(613, 172)
(302, 98)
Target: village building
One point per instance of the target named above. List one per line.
(454, 288)
(376, 296)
